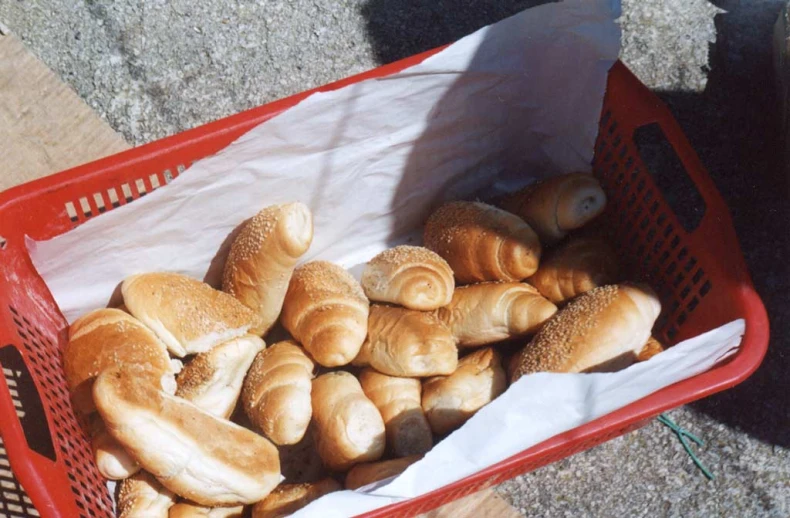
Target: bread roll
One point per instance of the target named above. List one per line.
(449, 401)
(650, 349)
(263, 256)
(213, 379)
(141, 496)
(399, 403)
(369, 472)
(348, 426)
(601, 330)
(404, 342)
(193, 510)
(411, 276)
(574, 268)
(276, 394)
(189, 316)
(327, 312)
(490, 312)
(482, 242)
(289, 498)
(106, 338)
(557, 205)
(196, 455)
(300, 462)
(113, 461)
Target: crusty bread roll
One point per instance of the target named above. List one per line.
(189, 316)
(650, 349)
(141, 496)
(196, 455)
(399, 402)
(106, 338)
(490, 312)
(348, 426)
(404, 342)
(193, 510)
(557, 205)
(601, 330)
(449, 401)
(213, 379)
(369, 472)
(482, 242)
(289, 498)
(576, 267)
(276, 394)
(411, 276)
(326, 311)
(113, 461)
(263, 256)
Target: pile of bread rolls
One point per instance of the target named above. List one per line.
(365, 377)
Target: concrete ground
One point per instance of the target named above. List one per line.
(155, 67)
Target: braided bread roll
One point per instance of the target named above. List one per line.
(276, 393)
(482, 243)
(398, 401)
(327, 312)
(411, 276)
(574, 268)
(490, 312)
(142, 496)
(557, 205)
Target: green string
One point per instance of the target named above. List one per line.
(682, 435)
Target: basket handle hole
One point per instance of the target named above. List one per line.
(3, 243)
(670, 176)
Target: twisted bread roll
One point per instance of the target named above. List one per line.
(490, 312)
(482, 242)
(348, 427)
(650, 349)
(398, 401)
(449, 401)
(404, 342)
(363, 474)
(558, 205)
(601, 330)
(189, 316)
(326, 311)
(276, 394)
(576, 267)
(113, 461)
(263, 256)
(196, 455)
(192, 510)
(212, 380)
(411, 276)
(141, 496)
(289, 498)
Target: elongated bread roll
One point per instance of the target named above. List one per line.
(213, 379)
(193, 510)
(411, 276)
(189, 316)
(327, 312)
(289, 498)
(276, 394)
(106, 338)
(650, 349)
(369, 472)
(113, 461)
(348, 426)
(490, 312)
(482, 242)
(263, 256)
(399, 402)
(574, 268)
(558, 205)
(601, 330)
(449, 401)
(196, 455)
(141, 496)
(404, 342)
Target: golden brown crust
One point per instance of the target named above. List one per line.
(650, 349)
(326, 311)
(369, 472)
(482, 243)
(263, 256)
(404, 342)
(113, 462)
(286, 499)
(490, 312)
(141, 496)
(411, 276)
(193, 510)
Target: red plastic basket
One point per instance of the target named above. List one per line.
(701, 275)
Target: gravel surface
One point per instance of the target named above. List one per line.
(157, 67)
